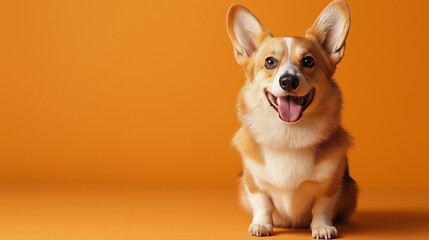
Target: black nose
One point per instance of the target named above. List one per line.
(289, 82)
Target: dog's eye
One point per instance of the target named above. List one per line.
(307, 62)
(270, 62)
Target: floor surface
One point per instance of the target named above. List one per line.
(62, 213)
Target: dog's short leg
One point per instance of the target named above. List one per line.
(321, 225)
(262, 209)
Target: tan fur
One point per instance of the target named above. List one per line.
(335, 181)
(347, 199)
(293, 173)
(334, 147)
(247, 146)
(250, 183)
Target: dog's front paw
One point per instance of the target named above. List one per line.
(260, 230)
(324, 232)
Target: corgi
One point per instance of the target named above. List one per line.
(291, 140)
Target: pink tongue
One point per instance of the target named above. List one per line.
(289, 110)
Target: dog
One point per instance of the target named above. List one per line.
(292, 143)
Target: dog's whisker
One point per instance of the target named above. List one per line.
(250, 86)
(254, 108)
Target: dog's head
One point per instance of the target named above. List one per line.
(289, 82)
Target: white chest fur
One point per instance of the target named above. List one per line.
(283, 169)
(292, 179)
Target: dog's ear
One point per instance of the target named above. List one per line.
(331, 28)
(245, 31)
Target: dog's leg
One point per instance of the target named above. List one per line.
(262, 208)
(321, 225)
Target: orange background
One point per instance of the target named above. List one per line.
(143, 93)
(116, 118)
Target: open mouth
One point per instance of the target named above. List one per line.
(290, 108)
